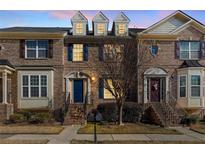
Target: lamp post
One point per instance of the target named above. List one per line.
(95, 130)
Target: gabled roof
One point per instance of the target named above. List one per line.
(175, 22)
(79, 17)
(190, 63)
(100, 17)
(121, 17)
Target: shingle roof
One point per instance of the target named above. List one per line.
(57, 30)
(36, 29)
(190, 63)
(5, 62)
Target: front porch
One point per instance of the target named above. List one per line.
(6, 107)
(156, 85)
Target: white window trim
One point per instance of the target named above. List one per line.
(120, 29)
(190, 58)
(183, 86)
(200, 86)
(29, 85)
(101, 24)
(76, 29)
(37, 49)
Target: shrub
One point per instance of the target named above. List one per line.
(131, 112)
(40, 118)
(27, 114)
(108, 111)
(17, 118)
(190, 119)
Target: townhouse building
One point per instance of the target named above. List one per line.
(44, 67)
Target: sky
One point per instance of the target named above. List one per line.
(61, 18)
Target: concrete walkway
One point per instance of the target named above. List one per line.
(70, 132)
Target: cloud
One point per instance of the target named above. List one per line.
(164, 13)
(67, 14)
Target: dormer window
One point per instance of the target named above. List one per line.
(120, 25)
(79, 28)
(100, 24)
(79, 23)
(122, 29)
(100, 28)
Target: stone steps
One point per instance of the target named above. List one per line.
(165, 114)
(75, 114)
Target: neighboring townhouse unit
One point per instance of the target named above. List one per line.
(31, 67)
(45, 68)
(175, 49)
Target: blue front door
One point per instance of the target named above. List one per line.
(78, 91)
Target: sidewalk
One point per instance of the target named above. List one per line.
(70, 132)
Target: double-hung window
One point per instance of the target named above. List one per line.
(100, 28)
(79, 28)
(107, 93)
(36, 49)
(182, 86)
(34, 86)
(113, 52)
(189, 50)
(195, 85)
(121, 29)
(77, 52)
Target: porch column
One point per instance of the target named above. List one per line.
(145, 89)
(167, 89)
(4, 88)
(89, 91)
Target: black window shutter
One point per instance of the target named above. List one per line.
(202, 50)
(22, 49)
(50, 49)
(85, 52)
(70, 52)
(101, 88)
(101, 58)
(177, 49)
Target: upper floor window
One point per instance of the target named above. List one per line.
(121, 29)
(100, 28)
(195, 85)
(79, 28)
(36, 48)
(77, 52)
(112, 52)
(189, 49)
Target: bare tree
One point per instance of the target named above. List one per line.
(118, 68)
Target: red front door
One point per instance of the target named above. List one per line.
(155, 90)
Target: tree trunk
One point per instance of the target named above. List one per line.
(119, 107)
(120, 115)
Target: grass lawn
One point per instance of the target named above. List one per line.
(23, 141)
(136, 142)
(126, 129)
(200, 128)
(30, 129)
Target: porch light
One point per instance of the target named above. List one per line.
(93, 78)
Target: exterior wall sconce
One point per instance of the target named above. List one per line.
(93, 78)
